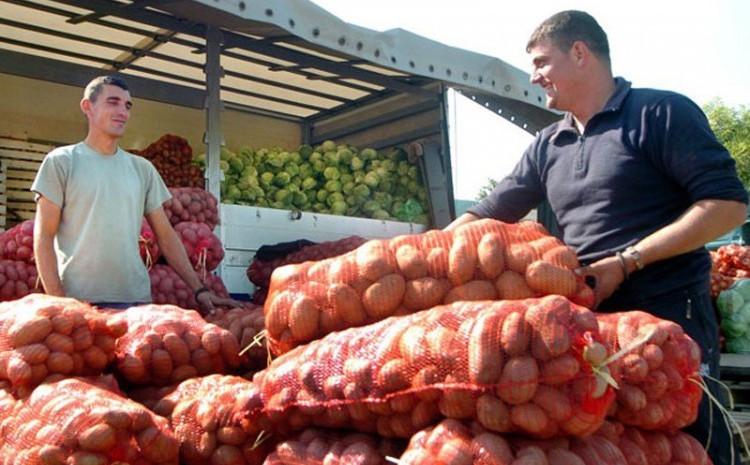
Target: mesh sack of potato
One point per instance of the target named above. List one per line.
(74, 421)
(248, 326)
(483, 260)
(167, 287)
(657, 370)
(167, 344)
(17, 243)
(18, 279)
(326, 447)
(530, 366)
(203, 248)
(42, 335)
(205, 415)
(192, 204)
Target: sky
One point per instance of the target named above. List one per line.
(699, 49)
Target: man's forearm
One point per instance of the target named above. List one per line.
(461, 220)
(46, 265)
(174, 251)
(702, 222)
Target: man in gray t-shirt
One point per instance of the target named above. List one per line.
(91, 199)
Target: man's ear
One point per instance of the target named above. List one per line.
(85, 106)
(580, 52)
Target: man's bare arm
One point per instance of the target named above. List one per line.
(174, 251)
(461, 220)
(704, 221)
(46, 224)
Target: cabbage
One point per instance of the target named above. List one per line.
(305, 151)
(328, 146)
(333, 186)
(309, 183)
(739, 346)
(331, 173)
(281, 179)
(356, 163)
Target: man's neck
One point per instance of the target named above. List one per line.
(104, 145)
(597, 95)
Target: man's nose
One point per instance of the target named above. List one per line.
(535, 77)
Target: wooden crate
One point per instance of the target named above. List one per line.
(3, 198)
(22, 160)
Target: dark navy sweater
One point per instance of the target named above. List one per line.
(640, 163)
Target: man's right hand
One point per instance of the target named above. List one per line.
(46, 224)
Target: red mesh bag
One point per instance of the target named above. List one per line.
(166, 344)
(41, 335)
(203, 248)
(172, 156)
(192, 204)
(76, 422)
(659, 376)
(17, 243)
(641, 447)
(483, 260)
(247, 325)
(17, 279)
(259, 272)
(523, 366)
(454, 443)
(167, 287)
(148, 246)
(318, 447)
(206, 419)
(728, 264)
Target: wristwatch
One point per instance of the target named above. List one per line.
(633, 253)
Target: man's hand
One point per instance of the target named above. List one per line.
(208, 301)
(607, 275)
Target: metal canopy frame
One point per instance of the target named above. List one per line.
(282, 58)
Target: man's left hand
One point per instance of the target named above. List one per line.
(607, 275)
(208, 301)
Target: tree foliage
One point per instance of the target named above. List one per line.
(732, 128)
(485, 190)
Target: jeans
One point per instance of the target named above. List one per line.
(693, 310)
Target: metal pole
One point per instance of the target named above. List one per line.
(214, 73)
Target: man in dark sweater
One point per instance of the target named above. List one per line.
(638, 184)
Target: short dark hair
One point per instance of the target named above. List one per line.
(566, 27)
(94, 88)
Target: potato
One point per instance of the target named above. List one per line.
(519, 380)
(515, 334)
(304, 318)
(393, 376)
(491, 255)
(554, 402)
(437, 262)
(493, 414)
(384, 297)
(411, 262)
(60, 362)
(161, 364)
(374, 260)
(562, 256)
(529, 417)
(29, 331)
(177, 348)
(485, 358)
(462, 261)
(511, 285)
(33, 353)
(548, 279)
(346, 303)
(455, 452)
(560, 370)
(98, 438)
(423, 293)
(519, 256)
(472, 290)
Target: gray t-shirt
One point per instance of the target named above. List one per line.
(103, 199)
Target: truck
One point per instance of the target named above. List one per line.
(234, 73)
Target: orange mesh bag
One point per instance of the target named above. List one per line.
(248, 326)
(192, 204)
(166, 344)
(483, 260)
(642, 447)
(658, 372)
(167, 287)
(526, 366)
(206, 420)
(41, 335)
(17, 279)
(319, 447)
(454, 443)
(76, 422)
